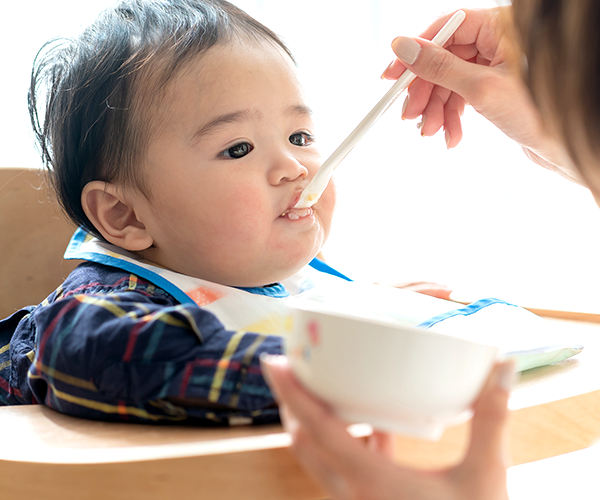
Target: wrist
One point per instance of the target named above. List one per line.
(555, 162)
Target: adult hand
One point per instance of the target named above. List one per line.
(349, 469)
(478, 66)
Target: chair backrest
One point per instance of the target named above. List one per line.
(33, 238)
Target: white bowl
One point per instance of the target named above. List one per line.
(397, 378)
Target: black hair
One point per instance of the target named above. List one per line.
(85, 93)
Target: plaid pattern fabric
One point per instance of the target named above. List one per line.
(109, 345)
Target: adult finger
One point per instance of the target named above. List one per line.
(433, 115)
(394, 70)
(419, 94)
(452, 120)
(287, 390)
(472, 28)
(382, 443)
(439, 66)
(483, 471)
(317, 433)
(310, 413)
(323, 467)
(471, 38)
(491, 413)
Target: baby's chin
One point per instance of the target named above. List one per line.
(239, 272)
(264, 277)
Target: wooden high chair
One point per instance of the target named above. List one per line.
(47, 455)
(52, 456)
(33, 237)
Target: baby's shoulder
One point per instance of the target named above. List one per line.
(91, 278)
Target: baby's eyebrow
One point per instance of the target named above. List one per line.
(301, 109)
(238, 116)
(219, 121)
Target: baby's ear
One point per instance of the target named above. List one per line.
(111, 214)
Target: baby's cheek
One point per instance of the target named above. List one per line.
(327, 202)
(243, 203)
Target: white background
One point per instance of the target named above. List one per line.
(480, 218)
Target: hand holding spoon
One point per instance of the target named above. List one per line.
(317, 185)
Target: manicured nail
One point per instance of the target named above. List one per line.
(389, 66)
(406, 49)
(272, 359)
(404, 106)
(421, 125)
(447, 137)
(266, 361)
(506, 376)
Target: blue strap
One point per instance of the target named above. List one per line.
(319, 265)
(463, 311)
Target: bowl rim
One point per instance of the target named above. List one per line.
(317, 307)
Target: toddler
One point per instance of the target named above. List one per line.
(178, 139)
(177, 136)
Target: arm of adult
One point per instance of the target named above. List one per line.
(349, 469)
(478, 66)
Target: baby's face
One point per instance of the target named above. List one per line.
(231, 152)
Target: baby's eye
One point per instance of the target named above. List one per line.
(301, 139)
(238, 151)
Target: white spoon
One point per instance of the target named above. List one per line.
(317, 185)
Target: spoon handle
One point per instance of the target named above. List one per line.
(317, 185)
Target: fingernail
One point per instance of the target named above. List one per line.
(272, 359)
(447, 137)
(421, 125)
(265, 357)
(265, 361)
(406, 49)
(388, 67)
(269, 359)
(506, 376)
(404, 106)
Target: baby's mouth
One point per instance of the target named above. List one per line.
(297, 213)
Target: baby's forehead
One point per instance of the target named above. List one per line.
(210, 66)
(225, 72)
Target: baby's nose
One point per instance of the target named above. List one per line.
(286, 169)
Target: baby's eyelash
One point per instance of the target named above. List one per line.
(307, 137)
(237, 151)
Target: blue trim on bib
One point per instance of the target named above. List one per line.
(276, 290)
(73, 252)
(319, 265)
(463, 311)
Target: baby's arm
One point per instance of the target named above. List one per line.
(426, 288)
(123, 356)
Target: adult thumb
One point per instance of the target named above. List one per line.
(438, 65)
(489, 429)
